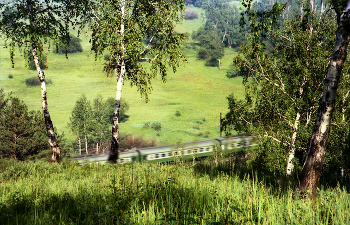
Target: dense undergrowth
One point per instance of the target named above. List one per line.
(208, 192)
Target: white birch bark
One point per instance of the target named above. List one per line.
(312, 168)
(79, 145)
(56, 153)
(86, 145)
(120, 77)
(290, 164)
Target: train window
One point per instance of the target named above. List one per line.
(163, 155)
(157, 156)
(169, 153)
(189, 151)
(201, 149)
(195, 151)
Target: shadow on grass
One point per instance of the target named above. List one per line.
(236, 165)
(158, 203)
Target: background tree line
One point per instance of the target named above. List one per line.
(91, 122)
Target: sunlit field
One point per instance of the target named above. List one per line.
(198, 92)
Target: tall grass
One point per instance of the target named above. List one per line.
(206, 193)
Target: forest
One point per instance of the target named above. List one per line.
(117, 75)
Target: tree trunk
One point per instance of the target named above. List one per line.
(86, 145)
(97, 148)
(290, 165)
(113, 156)
(311, 172)
(79, 145)
(56, 153)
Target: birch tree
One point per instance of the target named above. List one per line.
(313, 164)
(282, 90)
(312, 168)
(29, 24)
(122, 28)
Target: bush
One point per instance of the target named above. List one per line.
(34, 81)
(42, 62)
(233, 71)
(156, 126)
(129, 141)
(190, 14)
(203, 54)
(10, 76)
(212, 62)
(74, 46)
(201, 121)
(177, 113)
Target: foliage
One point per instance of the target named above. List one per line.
(207, 193)
(23, 132)
(144, 20)
(42, 62)
(10, 76)
(34, 81)
(282, 85)
(73, 46)
(190, 14)
(211, 46)
(94, 120)
(233, 71)
(24, 23)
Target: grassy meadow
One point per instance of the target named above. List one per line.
(196, 91)
(205, 193)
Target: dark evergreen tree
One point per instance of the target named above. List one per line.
(22, 132)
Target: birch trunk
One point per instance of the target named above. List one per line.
(312, 168)
(290, 164)
(113, 156)
(86, 145)
(79, 146)
(56, 153)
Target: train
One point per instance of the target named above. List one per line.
(168, 153)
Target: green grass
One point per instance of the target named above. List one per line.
(206, 193)
(196, 91)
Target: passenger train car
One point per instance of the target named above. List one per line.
(189, 150)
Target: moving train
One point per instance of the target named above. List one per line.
(188, 150)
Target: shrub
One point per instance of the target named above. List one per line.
(201, 121)
(10, 76)
(34, 81)
(156, 126)
(190, 14)
(129, 141)
(74, 46)
(146, 125)
(42, 62)
(177, 113)
(212, 62)
(203, 54)
(233, 71)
